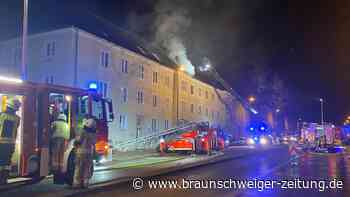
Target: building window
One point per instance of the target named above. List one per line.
(206, 94)
(102, 88)
(141, 72)
(138, 132)
(140, 99)
(212, 115)
(124, 66)
(155, 77)
(192, 90)
(50, 49)
(199, 109)
(167, 81)
(123, 122)
(155, 100)
(192, 108)
(154, 125)
(139, 120)
(167, 103)
(212, 96)
(166, 124)
(206, 112)
(199, 92)
(124, 95)
(49, 79)
(105, 59)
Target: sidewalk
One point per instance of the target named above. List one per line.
(125, 168)
(134, 159)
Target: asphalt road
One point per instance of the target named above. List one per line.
(271, 165)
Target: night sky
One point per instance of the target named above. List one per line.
(304, 42)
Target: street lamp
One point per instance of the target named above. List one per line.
(24, 40)
(251, 99)
(322, 111)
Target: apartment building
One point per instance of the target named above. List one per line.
(149, 94)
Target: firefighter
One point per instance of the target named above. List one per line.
(293, 153)
(59, 141)
(9, 123)
(84, 145)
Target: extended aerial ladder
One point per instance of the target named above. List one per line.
(211, 70)
(153, 139)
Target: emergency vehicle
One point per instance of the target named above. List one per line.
(201, 139)
(41, 104)
(259, 134)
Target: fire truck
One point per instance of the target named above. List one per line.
(200, 139)
(41, 104)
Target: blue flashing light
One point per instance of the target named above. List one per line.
(262, 128)
(92, 86)
(251, 128)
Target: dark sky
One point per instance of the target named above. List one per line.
(305, 42)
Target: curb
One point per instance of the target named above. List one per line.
(216, 159)
(137, 165)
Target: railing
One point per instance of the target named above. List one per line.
(155, 136)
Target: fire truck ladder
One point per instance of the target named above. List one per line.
(152, 140)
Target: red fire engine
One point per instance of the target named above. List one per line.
(41, 103)
(201, 139)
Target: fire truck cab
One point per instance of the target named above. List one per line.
(40, 106)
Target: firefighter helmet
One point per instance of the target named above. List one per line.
(62, 117)
(90, 123)
(13, 103)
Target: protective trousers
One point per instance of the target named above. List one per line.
(6, 151)
(58, 147)
(83, 169)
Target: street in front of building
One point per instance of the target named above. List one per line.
(268, 165)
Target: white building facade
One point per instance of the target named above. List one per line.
(148, 97)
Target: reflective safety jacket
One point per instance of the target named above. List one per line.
(8, 127)
(60, 129)
(85, 142)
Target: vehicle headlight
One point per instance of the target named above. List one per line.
(250, 141)
(263, 141)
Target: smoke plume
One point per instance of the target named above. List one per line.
(171, 23)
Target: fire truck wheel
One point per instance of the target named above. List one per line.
(70, 169)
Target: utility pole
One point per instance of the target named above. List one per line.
(24, 41)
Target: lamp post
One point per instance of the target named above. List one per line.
(24, 41)
(322, 112)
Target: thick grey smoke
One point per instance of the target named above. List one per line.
(173, 21)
